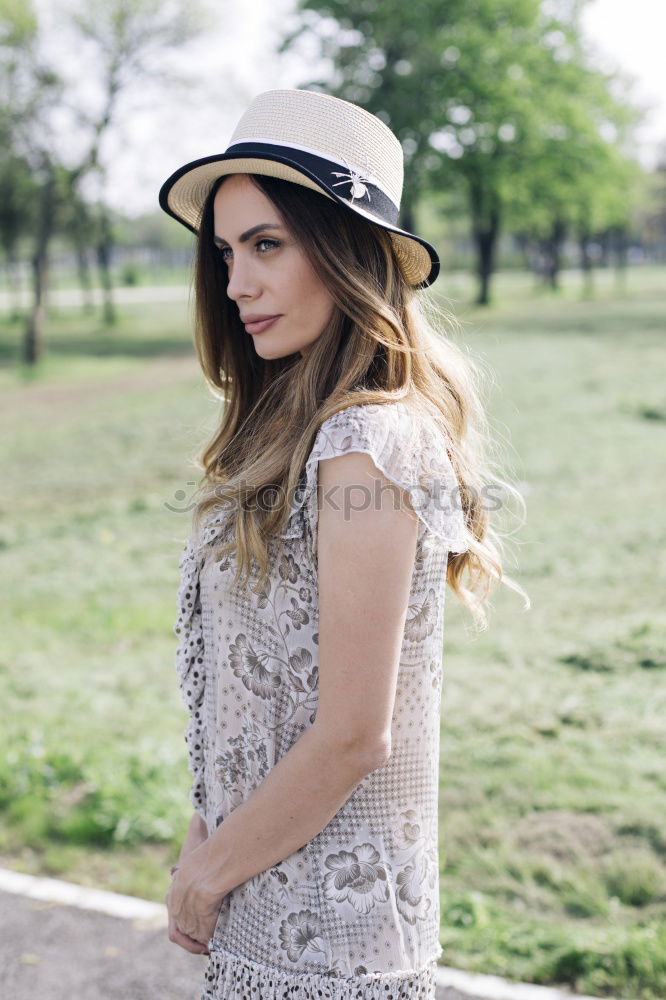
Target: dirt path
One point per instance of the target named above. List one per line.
(59, 398)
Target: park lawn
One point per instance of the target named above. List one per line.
(553, 853)
(552, 850)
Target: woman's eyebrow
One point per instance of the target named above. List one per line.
(250, 232)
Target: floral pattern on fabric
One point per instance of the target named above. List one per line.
(357, 876)
(355, 911)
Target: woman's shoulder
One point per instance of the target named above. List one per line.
(367, 421)
(397, 425)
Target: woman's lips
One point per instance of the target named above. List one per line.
(262, 324)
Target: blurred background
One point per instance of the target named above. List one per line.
(534, 134)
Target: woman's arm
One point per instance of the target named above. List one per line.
(294, 802)
(197, 832)
(366, 550)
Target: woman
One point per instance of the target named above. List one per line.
(344, 486)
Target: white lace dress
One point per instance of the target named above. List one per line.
(354, 913)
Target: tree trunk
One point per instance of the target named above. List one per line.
(33, 344)
(485, 210)
(83, 271)
(586, 263)
(543, 264)
(34, 335)
(104, 248)
(485, 244)
(621, 258)
(555, 241)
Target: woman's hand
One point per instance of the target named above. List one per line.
(197, 833)
(188, 943)
(192, 907)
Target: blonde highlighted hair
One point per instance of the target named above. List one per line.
(385, 342)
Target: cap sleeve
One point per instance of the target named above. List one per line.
(409, 453)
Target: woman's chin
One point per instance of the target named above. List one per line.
(273, 353)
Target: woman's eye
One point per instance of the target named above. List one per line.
(262, 246)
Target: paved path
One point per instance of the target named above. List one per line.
(60, 941)
(54, 952)
(123, 295)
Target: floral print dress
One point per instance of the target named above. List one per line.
(354, 913)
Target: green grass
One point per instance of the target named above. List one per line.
(553, 850)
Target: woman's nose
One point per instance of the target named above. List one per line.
(242, 279)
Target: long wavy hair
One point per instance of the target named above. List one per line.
(385, 342)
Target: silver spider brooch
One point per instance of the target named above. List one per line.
(357, 181)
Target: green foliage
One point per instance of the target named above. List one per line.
(466, 909)
(18, 193)
(644, 646)
(634, 957)
(50, 793)
(130, 274)
(18, 23)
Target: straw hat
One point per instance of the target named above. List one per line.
(332, 146)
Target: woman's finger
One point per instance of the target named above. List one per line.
(185, 941)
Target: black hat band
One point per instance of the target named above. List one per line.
(340, 179)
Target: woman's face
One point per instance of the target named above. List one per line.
(269, 275)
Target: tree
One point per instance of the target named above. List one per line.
(18, 191)
(579, 178)
(29, 92)
(385, 57)
(468, 89)
(130, 38)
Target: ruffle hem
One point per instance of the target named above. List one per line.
(232, 977)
